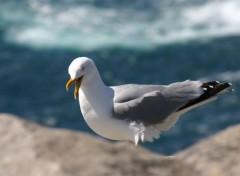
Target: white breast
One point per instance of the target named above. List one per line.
(102, 123)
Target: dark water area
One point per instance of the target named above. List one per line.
(33, 83)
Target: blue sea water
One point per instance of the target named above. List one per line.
(142, 41)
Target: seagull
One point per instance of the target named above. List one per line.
(134, 112)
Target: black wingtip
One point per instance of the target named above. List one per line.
(214, 87)
(210, 89)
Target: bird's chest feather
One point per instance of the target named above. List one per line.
(92, 109)
(86, 108)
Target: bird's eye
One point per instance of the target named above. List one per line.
(83, 68)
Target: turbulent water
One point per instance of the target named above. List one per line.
(142, 41)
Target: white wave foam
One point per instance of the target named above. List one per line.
(224, 76)
(229, 76)
(87, 27)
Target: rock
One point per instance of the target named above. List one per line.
(216, 156)
(28, 149)
(31, 150)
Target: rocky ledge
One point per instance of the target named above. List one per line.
(28, 149)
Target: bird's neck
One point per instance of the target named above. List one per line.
(98, 94)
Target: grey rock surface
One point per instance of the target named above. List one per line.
(218, 155)
(28, 149)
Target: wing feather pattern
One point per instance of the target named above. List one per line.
(157, 102)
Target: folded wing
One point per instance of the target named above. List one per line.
(156, 103)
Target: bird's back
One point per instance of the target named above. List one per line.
(127, 92)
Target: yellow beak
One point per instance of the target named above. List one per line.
(77, 85)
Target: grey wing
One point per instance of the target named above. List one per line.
(155, 103)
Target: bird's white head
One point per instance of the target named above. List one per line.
(79, 68)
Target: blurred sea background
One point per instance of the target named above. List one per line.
(138, 41)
